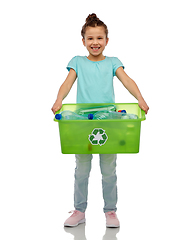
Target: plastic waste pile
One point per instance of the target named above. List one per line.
(95, 113)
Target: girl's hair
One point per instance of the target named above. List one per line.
(93, 21)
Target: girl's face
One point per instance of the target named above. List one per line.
(95, 41)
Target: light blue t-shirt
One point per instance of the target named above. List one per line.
(95, 79)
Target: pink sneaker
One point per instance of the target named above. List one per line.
(75, 219)
(111, 219)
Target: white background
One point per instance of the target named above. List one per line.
(38, 38)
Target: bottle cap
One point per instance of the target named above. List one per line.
(58, 116)
(90, 116)
(123, 111)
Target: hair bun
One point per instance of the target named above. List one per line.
(93, 21)
(91, 17)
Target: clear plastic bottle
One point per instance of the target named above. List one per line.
(93, 110)
(109, 115)
(118, 115)
(133, 116)
(101, 115)
(130, 116)
(69, 115)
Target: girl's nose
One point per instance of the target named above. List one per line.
(95, 41)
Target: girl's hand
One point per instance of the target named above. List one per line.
(143, 105)
(57, 106)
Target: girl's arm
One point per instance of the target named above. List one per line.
(64, 90)
(131, 86)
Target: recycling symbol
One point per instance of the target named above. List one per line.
(98, 136)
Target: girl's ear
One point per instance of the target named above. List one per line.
(107, 40)
(83, 40)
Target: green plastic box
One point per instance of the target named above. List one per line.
(101, 136)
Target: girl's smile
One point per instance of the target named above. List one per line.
(95, 41)
(95, 48)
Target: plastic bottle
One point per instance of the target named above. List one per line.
(108, 115)
(101, 115)
(112, 115)
(133, 116)
(118, 115)
(126, 116)
(130, 116)
(69, 115)
(92, 110)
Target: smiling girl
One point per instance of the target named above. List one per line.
(95, 39)
(94, 76)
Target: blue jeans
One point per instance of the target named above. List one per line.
(109, 181)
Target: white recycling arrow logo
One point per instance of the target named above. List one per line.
(98, 136)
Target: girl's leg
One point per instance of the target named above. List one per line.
(82, 171)
(109, 181)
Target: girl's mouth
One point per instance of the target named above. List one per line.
(95, 48)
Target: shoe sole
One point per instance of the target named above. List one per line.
(112, 226)
(69, 225)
